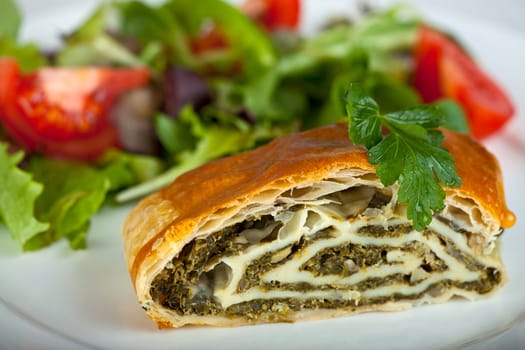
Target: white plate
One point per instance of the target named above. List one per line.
(60, 299)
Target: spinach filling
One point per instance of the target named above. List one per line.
(381, 231)
(278, 309)
(187, 285)
(175, 287)
(267, 262)
(333, 260)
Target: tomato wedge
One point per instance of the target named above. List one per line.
(443, 69)
(64, 112)
(211, 39)
(274, 14)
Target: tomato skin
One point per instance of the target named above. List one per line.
(427, 55)
(281, 14)
(210, 40)
(486, 104)
(64, 112)
(274, 14)
(9, 71)
(443, 69)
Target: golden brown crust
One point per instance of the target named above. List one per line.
(480, 175)
(202, 191)
(161, 224)
(309, 153)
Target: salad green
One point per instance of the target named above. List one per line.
(259, 86)
(11, 20)
(17, 198)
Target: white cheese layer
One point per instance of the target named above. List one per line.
(340, 207)
(313, 218)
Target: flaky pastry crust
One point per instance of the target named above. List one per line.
(160, 225)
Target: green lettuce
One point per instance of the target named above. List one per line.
(192, 141)
(247, 42)
(262, 88)
(28, 56)
(160, 36)
(17, 198)
(73, 193)
(55, 199)
(92, 43)
(10, 19)
(306, 83)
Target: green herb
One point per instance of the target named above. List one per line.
(454, 117)
(410, 154)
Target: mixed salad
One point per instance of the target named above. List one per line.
(140, 93)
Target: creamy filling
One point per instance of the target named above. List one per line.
(347, 249)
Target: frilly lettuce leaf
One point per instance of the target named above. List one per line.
(72, 194)
(17, 198)
(55, 199)
(28, 56)
(10, 19)
(92, 43)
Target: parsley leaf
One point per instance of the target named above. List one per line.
(365, 127)
(411, 153)
(454, 116)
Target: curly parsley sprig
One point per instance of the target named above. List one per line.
(411, 153)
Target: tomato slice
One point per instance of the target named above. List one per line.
(64, 112)
(485, 103)
(274, 14)
(443, 69)
(211, 39)
(427, 54)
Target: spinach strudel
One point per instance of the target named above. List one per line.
(302, 228)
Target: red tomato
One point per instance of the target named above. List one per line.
(443, 69)
(211, 39)
(64, 112)
(8, 74)
(274, 14)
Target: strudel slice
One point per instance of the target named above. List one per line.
(302, 228)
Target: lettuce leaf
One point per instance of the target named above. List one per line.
(72, 194)
(92, 44)
(246, 41)
(126, 169)
(10, 19)
(17, 198)
(55, 199)
(28, 56)
(307, 82)
(193, 140)
(162, 38)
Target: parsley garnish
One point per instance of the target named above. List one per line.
(411, 153)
